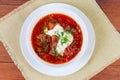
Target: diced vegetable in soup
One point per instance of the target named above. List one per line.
(56, 38)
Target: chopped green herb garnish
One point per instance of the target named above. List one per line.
(62, 33)
(53, 21)
(57, 34)
(64, 40)
(44, 45)
(70, 30)
(54, 53)
(45, 29)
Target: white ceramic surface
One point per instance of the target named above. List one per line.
(62, 69)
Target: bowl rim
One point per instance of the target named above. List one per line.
(59, 11)
(48, 8)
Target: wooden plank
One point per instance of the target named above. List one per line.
(112, 10)
(7, 6)
(4, 57)
(5, 9)
(110, 73)
(12, 2)
(8, 71)
(116, 63)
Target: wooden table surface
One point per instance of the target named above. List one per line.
(8, 70)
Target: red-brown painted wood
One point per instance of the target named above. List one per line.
(8, 71)
(4, 57)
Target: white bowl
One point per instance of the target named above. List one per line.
(63, 69)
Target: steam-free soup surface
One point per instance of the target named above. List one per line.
(56, 38)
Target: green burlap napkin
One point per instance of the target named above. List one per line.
(107, 39)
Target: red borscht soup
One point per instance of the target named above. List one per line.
(56, 38)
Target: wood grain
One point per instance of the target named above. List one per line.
(4, 9)
(8, 70)
(112, 10)
(4, 57)
(7, 6)
(12, 2)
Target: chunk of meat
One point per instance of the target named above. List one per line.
(50, 25)
(45, 42)
(54, 43)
